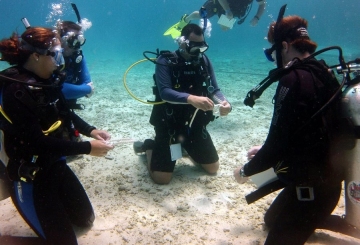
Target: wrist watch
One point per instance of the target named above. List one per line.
(242, 174)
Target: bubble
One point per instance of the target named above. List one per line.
(57, 10)
(208, 27)
(85, 24)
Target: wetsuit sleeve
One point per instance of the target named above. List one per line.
(27, 128)
(164, 83)
(281, 129)
(76, 91)
(217, 96)
(85, 74)
(73, 91)
(83, 127)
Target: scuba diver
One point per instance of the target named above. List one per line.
(186, 82)
(299, 140)
(38, 128)
(78, 82)
(229, 8)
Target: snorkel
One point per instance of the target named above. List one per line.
(274, 74)
(277, 40)
(203, 14)
(277, 37)
(73, 5)
(26, 23)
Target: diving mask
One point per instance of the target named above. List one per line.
(73, 40)
(56, 54)
(195, 48)
(270, 53)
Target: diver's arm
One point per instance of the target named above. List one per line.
(217, 96)
(280, 132)
(201, 102)
(261, 8)
(73, 91)
(83, 127)
(164, 84)
(85, 74)
(225, 5)
(76, 91)
(260, 11)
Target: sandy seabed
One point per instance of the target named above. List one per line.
(194, 208)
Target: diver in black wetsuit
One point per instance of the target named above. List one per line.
(296, 147)
(191, 92)
(38, 127)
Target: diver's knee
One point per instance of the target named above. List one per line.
(268, 220)
(85, 222)
(211, 168)
(161, 178)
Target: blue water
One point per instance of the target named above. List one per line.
(122, 30)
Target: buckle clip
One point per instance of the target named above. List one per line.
(305, 193)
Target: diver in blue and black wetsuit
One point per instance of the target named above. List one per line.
(78, 82)
(38, 129)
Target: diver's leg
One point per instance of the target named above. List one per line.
(75, 200)
(48, 200)
(201, 149)
(297, 220)
(11, 240)
(159, 161)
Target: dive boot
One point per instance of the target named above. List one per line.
(141, 147)
(175, 30)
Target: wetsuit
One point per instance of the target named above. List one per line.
(239, 8)
(77, 78)
(55, 199)
(172, 120)
(299, 155)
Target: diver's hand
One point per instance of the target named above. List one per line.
(254, 21)
(200, 102)
(238, 177)
(253, 150)
(100, 148)
(100, 135)
(229, 14)
(91, 84)
(225, 108)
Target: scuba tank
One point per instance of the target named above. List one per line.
(350, 158)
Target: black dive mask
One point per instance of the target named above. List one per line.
(195, 48)
(74, 41)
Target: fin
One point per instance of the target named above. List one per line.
(175, 30)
